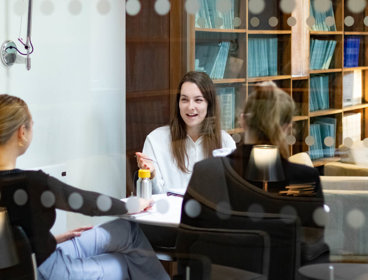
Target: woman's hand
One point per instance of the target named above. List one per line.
(70, 234)
(144, 162)
(136, 205)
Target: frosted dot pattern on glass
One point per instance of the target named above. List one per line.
(201, 22)
(192, 208)
(273, 21)
(20, 7)
(291, 21)
(237, 21)
(192, 6)
(320, 216)
(329, 141)
(75, 201)
(256, 6)
(309, 140)
(356, 6)
(288, 210)
(103, 7)
(162, 206)
(224, 6)
(47, 199)
(237, 137)
(256, 211)
(322, 6)
(162, 7)
(348, 142)
(290, 139)
(349, 21)
(20, 197)
(311, 21)
(104, 203)
(133, 7)
(132, 204)
(47, 7)
(223, 210)
(75, 7)
(330, 21)
(254, 21)
(219, 22)
(355, 218)
(287, 6)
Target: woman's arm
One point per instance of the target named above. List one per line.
(158, 184)
(85, 202)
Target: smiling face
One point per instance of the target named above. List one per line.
(192, 106)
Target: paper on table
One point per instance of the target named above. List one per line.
(173, 191)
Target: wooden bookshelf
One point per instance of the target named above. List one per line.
(293, 51)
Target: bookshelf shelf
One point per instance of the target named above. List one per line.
(235, 131)
(268, 78)
(218, 30)
(281, 32)
(325, 112)
(262, 51)
(337, 70)
(349, 69)
(355, 107)
(229, 81)
(300, 118)
(364, 33)
(326, 33)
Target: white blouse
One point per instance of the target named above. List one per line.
(157, 147)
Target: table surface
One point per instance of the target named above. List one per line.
(166, 211)
(339, 271)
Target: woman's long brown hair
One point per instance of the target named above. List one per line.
(210, 127)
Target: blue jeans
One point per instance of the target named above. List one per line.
(114, 250)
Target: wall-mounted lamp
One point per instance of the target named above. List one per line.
(265, 165)
(9, 49)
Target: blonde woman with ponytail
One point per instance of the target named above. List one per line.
(113, 250)
(221, 182)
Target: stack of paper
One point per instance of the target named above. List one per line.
(351, 123)
(352, 88)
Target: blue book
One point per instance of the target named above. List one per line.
(327, 129)
(316, 150)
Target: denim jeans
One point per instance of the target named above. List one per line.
(114, 250)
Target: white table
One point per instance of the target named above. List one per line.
(166, 211)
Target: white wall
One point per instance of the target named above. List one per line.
(75, 91)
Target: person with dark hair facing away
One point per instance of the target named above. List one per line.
(194, 132)
(266, 119)
(114, 250)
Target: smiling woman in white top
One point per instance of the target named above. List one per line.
(194, 132)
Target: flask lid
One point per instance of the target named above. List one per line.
(144, 173)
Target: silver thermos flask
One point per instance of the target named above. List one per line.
(144, 184)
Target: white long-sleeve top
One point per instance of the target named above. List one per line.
(157, 147)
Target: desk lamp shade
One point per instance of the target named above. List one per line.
(265, 165)
(8, 254)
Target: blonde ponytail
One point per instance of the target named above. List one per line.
(267, 110)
